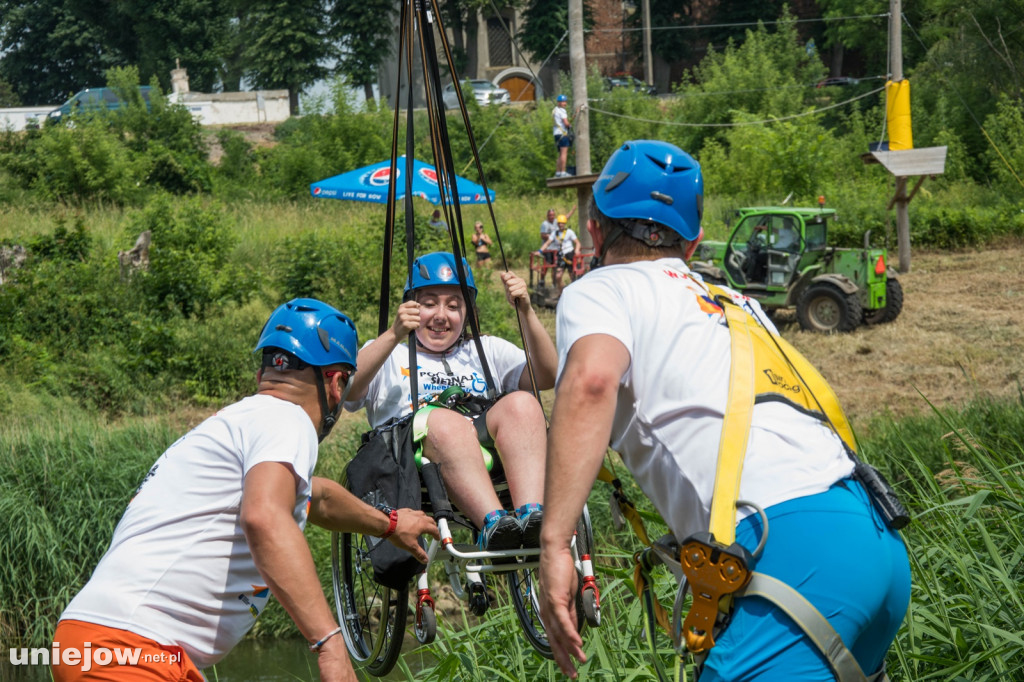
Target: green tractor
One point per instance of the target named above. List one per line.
(781, 257)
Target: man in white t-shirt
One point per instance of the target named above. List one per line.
(216, 527)
(644, 366)
(547, 228)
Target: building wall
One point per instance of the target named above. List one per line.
(18, 118)
(225, 108)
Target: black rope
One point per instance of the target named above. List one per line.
(475, 151)
(418, 19)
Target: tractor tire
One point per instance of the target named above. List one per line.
(893, 304)
(826, 308)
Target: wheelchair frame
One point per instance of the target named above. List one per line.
(374, 617)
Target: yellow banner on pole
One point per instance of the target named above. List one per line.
(897, 115)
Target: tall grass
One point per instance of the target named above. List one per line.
(961, 475)
(64, 483)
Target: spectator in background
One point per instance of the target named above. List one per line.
(563, 138)
(482, 243)
(436, 222)
(566, 244)
(547, 228)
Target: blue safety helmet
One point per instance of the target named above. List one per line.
(561, 98)
(654, 181)
(438, 269)
(312, 331)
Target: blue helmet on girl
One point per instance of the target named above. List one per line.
(438, 269)
(312, 331)
(654, 181)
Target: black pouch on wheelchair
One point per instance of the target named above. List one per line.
(384, 471)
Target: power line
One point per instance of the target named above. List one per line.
(970, 112)
(739, 24)
(738, 123)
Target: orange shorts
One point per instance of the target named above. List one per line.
(96, 652)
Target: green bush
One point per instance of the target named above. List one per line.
(1006, 136)
(86, 162)
(189, 270)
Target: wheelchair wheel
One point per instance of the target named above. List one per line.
(523, 588)
(426, 625)
(372, 616)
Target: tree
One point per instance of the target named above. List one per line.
(287, 43)
(767, 74)
(49, 51)
(545, 23)
(364, 30)
(974, 55)
(8, 98)
(152, 35)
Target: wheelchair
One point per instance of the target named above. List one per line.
(374, 616)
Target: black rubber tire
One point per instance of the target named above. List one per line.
(591, 611)
(825, 308)
(426, 629)
(522, 588)
(893, 304)
(372, 616)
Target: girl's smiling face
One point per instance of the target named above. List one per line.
(442, 317)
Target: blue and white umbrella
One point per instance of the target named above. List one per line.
(370, 183)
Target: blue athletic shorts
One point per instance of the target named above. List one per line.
(835, 550)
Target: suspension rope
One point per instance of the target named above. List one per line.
(419, 18)
(737, 123)
(475, 154)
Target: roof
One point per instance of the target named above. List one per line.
(804, 212)
(905, 162)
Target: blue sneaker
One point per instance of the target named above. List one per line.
(531, 517)
(501, 531)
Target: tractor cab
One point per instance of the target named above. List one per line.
(780, 255)
(766, 248)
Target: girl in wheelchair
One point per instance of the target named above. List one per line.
(513, 425)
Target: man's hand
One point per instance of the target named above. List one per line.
(334, 663)
(412, 523)
(558, 607)
(407, 319)
(515, 288)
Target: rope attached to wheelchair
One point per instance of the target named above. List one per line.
(419, 19)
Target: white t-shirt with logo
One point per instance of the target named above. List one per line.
(672, 398)
(389, 393)
(568, 240)
(179, 570)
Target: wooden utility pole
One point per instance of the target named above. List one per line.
(901, 200)
(578, 65)
(648, 61)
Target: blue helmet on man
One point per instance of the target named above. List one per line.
(438, 269)
(652, 181)
(561, 98)
(307, 332)
(314, 332)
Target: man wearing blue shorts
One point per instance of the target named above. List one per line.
(645, 357)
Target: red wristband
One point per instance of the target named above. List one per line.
(392, 524)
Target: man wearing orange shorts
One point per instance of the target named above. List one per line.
(216, 527)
